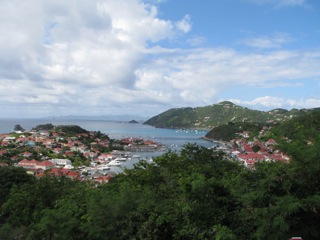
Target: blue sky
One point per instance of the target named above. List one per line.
(115, 57)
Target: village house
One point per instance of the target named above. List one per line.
(60, 162)
(45, 165)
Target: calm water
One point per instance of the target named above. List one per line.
(172, 138)
(169, 137)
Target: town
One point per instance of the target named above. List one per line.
(82, 156)
(91, 155)
(250, 152)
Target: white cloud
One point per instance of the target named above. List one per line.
(105, 57)
(275, 41)
(196, 41)
(269, 102)
(184, 24)
(195, 77)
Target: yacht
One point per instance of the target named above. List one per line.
(103, 167)
(114, 163)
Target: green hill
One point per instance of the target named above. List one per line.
(228, 131)
(305, 126)
(214, 115)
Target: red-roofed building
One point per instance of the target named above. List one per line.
(27, 164)
(279, 157)
(57, 172)
(251, 156)
(27, 154)
(45, 165)
(73, 175)
(249, 163)
(270, 142)
(103, 179)
(68, 154)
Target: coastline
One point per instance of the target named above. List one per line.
(217, 143)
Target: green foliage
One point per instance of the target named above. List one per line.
(167, 200)
(9, 177)
(226, 132)
(41, 127)
(70, 129)
(191, 194)
(214, 115)
(256, 148)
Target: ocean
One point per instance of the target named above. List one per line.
(118, 130)
(173, 139)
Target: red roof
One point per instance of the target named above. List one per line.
(73, 174)
(45, 163)
(252, 156)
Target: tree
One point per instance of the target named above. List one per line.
(256, 148)
(12, 176)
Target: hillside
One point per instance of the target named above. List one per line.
(228, 131)
(214, 115)
(170, 197)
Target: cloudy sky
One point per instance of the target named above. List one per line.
(143, 57)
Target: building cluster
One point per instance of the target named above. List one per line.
(250, 152)
(59, 154)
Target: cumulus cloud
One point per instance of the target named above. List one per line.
(55, 51)
(105, 57)
(184, 24)
(195, 77)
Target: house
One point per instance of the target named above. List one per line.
(27, 164)
(73, 175)
(58, 172)
(251, 156)
(57, 150)
(60, 162)
(249, 163)
(45, 165)
(270, 142)
(103, 179)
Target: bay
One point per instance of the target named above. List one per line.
(117, 130)
(173, 139)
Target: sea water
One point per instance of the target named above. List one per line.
(118, 130)
(173, 139)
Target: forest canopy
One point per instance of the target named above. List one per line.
(196, 193)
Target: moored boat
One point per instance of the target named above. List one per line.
(114, 163)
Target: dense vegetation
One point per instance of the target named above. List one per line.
(68, 129)
(215, 115)
(192, 194)
(44, 127)
(228, 131)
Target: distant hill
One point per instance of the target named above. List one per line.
(133, 121)
(121, 118)
(215, 115)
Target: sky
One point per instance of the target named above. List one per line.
(143, 57)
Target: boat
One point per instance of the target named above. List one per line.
(114, 163)
(103, 167)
